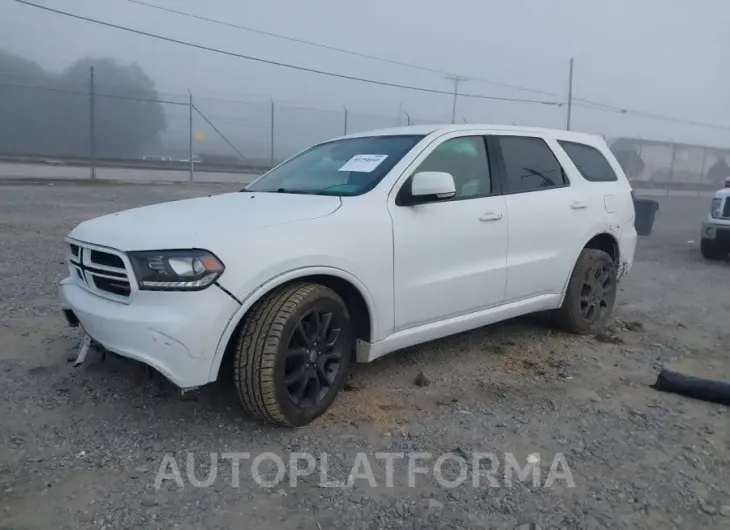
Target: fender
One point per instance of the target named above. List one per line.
(610, 230)
(274, 282)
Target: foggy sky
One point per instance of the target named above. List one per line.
(661, 56)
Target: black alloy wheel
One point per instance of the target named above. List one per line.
(293, 352)
(590, 295)
(313, 358)
(596, 295)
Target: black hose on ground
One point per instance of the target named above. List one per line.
(694, 387)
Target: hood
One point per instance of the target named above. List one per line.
(201, 222)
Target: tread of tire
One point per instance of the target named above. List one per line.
(258, 347)
(562, 315)
(710, 251)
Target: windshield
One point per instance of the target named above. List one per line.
(351, 166)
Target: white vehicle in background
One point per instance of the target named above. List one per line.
(715, 242)
(353, 249)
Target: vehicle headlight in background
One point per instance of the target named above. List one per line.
(175, 270)
(715, 208)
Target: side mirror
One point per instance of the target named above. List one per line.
(432, 185)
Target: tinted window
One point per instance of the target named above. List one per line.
(350, 166)
(590, 162)
(530, 165)
(465, 159)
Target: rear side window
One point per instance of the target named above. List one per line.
(590, 162)
(530, 165)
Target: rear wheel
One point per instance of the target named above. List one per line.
(293, 354)
(711, 250)
(591, 294)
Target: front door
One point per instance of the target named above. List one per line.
(450, 255)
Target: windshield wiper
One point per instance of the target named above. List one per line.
(278, 190)
(322, 191)
(299, 192)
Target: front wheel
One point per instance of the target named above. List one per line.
(591, 294)
(293, 354)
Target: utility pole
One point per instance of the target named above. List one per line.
(190, 139)
(570, 93)
(92, 133)
(400, 113)
(272, 132)
(456, 79)
(344, 107)
(671, 167)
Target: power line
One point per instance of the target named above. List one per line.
(85, 93)
(361, 54)
(331, 48)
(658, 117)
(255, 99)
(639, 114)
(284, 65)
(81, 83)
(588, 103)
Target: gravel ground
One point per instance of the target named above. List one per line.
(82, 448)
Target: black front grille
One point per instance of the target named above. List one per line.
(99, 271)
(119, 287)
(108, 260)
(726, 209)
(122, 275)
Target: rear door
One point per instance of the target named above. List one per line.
(603, 190)
(546, 215)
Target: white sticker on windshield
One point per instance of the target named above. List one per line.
(363, 163)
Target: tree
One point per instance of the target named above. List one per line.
(53, 119)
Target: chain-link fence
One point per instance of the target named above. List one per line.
(98, 124)
(671, 167)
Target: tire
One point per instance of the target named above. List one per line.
(278, 342)
(710, 250)
(585, 290)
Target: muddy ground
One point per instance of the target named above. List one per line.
(82, 447)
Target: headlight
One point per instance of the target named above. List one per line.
(715, 208)
(175, 270)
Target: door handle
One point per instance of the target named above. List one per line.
(490, 216)
(579, 206)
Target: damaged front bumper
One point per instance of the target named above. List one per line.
(174, 333)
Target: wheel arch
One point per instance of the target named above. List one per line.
(356, 296)
(606, 242)
(602, 240)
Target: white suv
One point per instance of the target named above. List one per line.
(715, 242)
(352, 249)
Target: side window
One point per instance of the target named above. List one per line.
(530, 165)
(465, 158)
(590, 162)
